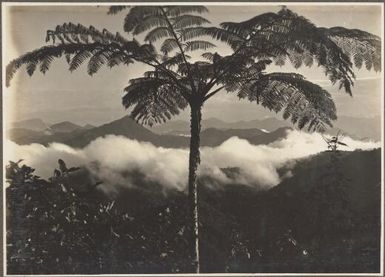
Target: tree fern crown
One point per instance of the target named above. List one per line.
(170, 35)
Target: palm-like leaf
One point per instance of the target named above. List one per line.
(175, 60)
(187, 20)
(158, 33)
(179, 10)
(79, 43)
(154, 99)
(198, 45)
(286, 34)
(361, 46)
(169, 45)
(217, 33)
(149, 23)
(303, 102)
(136, 15)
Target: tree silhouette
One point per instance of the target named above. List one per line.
(179, 78)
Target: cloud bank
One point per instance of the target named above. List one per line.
(113, 159)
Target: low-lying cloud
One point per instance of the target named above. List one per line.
(112, 159)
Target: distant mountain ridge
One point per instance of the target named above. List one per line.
(36, 131)
(127, 127)
(65, 127)
(183, 127)
(359, 128)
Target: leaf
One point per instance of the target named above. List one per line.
(178, 10)
(169, 45)
(79, 58)
(157, 34)
(222, 35)
(288, 35)
(302, 101)
(154, 100)
(198, 45)
(116, 9)
(149, 23)
(137, 14)
(188, 20)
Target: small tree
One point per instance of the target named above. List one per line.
(176, 80)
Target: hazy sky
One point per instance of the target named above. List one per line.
(60, 95)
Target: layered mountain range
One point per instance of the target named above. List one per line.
(176, 133)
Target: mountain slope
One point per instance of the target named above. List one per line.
(177, 127)
(326, 218)
(64, 127)
(322, 219)
(127, 127)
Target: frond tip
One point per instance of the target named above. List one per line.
(78, 44)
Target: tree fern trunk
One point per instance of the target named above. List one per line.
(194, 161)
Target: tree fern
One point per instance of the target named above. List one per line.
(175, 82)
(287, 34)
(154, 100)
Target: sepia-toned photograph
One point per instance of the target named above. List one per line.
(214, 138)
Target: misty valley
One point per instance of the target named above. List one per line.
(185, 143)
(270, 201)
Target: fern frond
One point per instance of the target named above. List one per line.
(157, 34)
(79, 52)
(362, 46)
(177, 59)
(230, 38)
(169, 45)
(287, 35)
(77, 33)
(198, 45)
(148, 23)
(116, 9)
(137, 14)
(80, 58)
(303, 102)
(154, 100)
(188, 20)
(173, 11)
(97, 60)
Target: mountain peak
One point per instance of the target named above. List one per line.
(65, 126)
